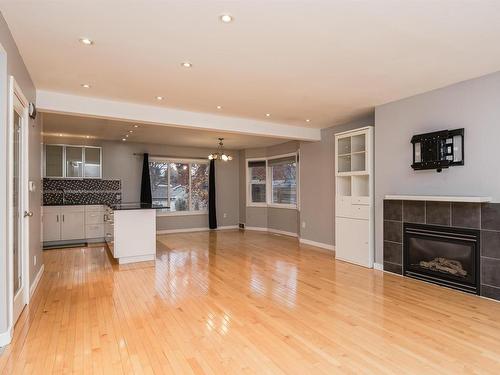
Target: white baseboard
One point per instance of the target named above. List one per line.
(271, 230)
(317, 244)
(6, 337)
(284, 233)
(37, 280)
(258, 229)
(378, 266)
(188, 230)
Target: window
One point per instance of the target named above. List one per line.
(283, 180)
(273, 181)
(179, 186)
(257, 180)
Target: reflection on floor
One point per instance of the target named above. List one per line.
(234, 302)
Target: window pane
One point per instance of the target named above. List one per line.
(159, 182)
(199, 187)
(284, 183)
(53, 161)
(74, 162)
(92, 162)
(179, 187)
(257, 181)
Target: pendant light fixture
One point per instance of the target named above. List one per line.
(220, 154)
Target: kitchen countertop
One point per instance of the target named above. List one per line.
(133, 206)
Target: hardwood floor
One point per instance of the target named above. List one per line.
(233, 302)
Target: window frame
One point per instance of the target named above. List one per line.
(188, 161)
(269, 183)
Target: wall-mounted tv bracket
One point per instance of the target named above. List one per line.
(438, 150)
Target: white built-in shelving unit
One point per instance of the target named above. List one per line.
(354, 203)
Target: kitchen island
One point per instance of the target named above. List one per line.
(130, 232)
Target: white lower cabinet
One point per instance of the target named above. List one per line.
(70, 223)
(353, 240)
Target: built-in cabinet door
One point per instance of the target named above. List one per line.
(352, 242)
(51, 226)
(73, 226)
(74, 161)
(54, 155)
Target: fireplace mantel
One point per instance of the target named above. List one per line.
(438, 198)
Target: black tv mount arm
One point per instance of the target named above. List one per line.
(438, 150)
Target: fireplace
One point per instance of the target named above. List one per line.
(447, 256)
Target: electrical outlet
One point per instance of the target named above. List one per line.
(225, 215)
(303, 225)
(34, 260)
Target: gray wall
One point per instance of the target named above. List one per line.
(317, 184)
(473, 105)
(120, 163)
(282, 219)
(16, 67)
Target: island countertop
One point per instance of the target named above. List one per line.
(133, 206)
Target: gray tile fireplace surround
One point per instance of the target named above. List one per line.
(482, 216)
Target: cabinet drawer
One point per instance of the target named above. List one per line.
(360, 211)
(94, 231)
(361, 200)
(72, 209)
(94, 217)
(94, 208)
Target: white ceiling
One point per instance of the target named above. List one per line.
(84, 128)
(325, 60)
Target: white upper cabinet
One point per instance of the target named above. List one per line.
(72, 161)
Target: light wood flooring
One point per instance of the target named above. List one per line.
(231, 302)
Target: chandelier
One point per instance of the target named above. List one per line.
(220, 154)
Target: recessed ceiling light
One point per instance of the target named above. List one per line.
(159, 98)
(88, 136)
(307, 120)
(130, 131)
(86, 41)
(124, 139)
(126, 135)
(85, 85)
(136, 126)
(186, 64)
(268, 115)
(60, 135)
(226, 18)
(219, 107)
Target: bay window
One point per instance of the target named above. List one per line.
(179, 185)
(273, 181)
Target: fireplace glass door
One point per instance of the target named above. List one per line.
(446, 256)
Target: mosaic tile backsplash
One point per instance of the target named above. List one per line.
(87, 191)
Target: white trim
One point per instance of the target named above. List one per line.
(37, 280)
(271, 230)
(283, 205)
(50, 101)
(189, 230)
(284, 233)
(317, 244)
(258, 229)
(6, 337)
(134, 259)
(161, 213)
(378, 266)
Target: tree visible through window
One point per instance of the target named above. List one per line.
(179, 186)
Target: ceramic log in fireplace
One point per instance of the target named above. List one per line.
(442, 255)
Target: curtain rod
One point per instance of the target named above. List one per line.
(170, 156)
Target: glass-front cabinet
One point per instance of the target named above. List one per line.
(72, 161)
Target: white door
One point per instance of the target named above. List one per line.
(19, 195)
(352, 241)
(73, 226)
(51, 226)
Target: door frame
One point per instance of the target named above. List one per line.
(15, 91)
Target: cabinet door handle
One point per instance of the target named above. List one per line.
(57, 218)
(63, 218)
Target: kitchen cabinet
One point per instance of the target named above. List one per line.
(72, 161)
(72, 223)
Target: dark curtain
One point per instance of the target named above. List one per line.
(212, 214)
(146, 196)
